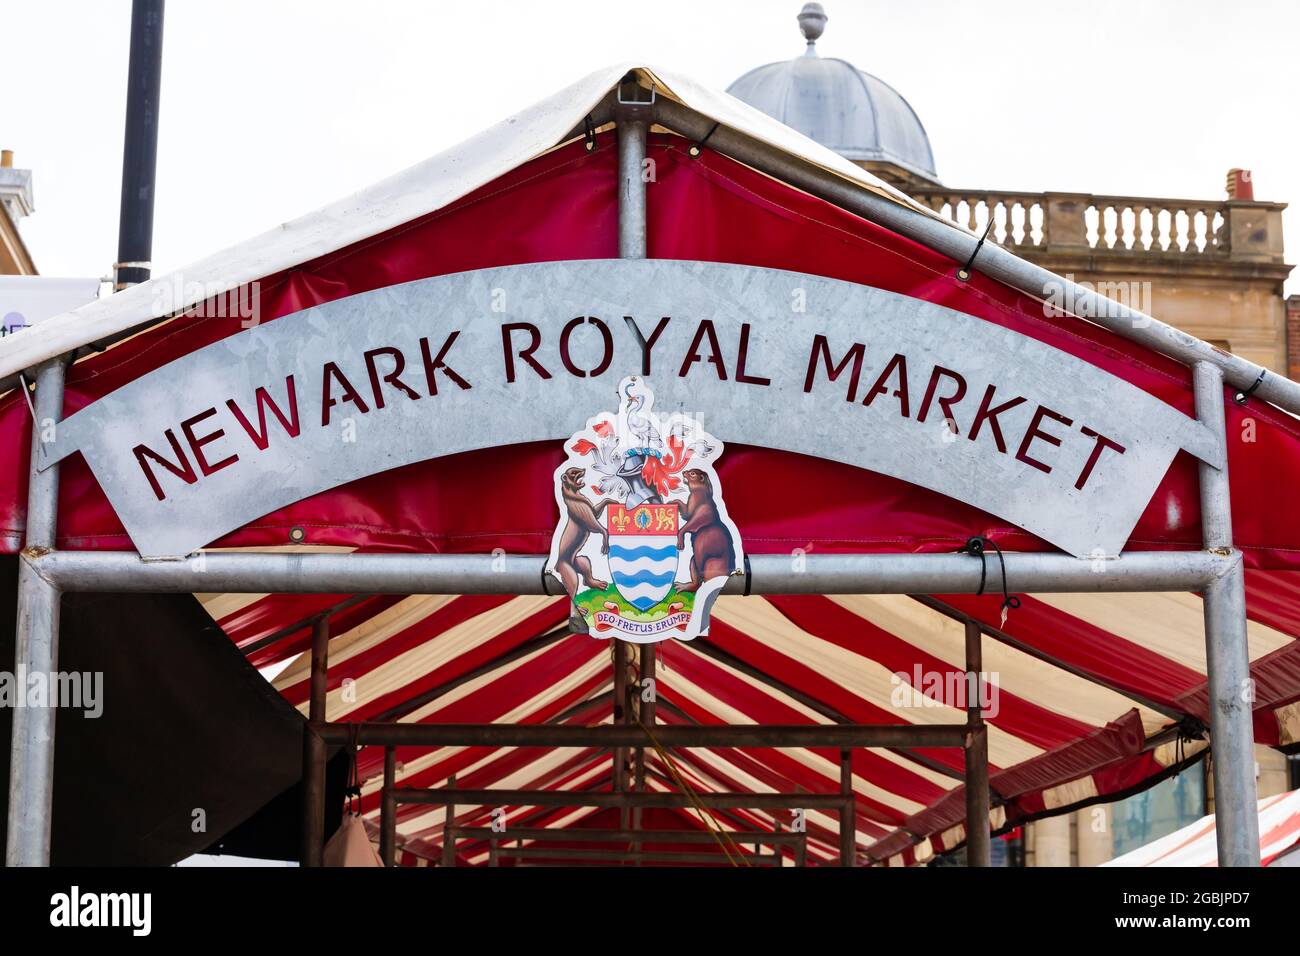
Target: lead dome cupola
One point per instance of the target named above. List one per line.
(829, 100)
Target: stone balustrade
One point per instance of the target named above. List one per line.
(1036, 224)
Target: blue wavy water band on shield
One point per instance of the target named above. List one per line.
(643, 577)
(642, 551)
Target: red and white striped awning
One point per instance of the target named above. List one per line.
(1195, 844)
(1085, 687)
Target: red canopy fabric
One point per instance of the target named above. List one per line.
(564, 206)
(1084, 682)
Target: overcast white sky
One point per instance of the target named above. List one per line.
(272, 108)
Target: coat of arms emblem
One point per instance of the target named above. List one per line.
(644, 543)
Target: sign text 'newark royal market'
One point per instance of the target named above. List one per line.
(268, 416)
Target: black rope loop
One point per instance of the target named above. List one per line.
(1189, 728)
(964, 272)
(1244, 396)
(977, 546)
(589, 133)
(697, 148)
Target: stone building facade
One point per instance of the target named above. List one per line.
(15, 203)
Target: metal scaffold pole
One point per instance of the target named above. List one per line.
(313, 749)
(631, 182)
(978, 849)
(36, 643)
(250, 572)
(1232, 732)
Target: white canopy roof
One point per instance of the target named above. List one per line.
(423, 188)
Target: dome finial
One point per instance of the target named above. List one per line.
(812, 21)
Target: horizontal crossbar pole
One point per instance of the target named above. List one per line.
(251, 572)
(833, 802)
(645, 837)
(615, 856)
(837, 736)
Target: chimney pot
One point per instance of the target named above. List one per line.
(1241, 188)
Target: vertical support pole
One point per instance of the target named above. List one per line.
(36, 644)
(646, 709)
(801, 850)
(978, 852)
(848, 812)
(388, 810)
(313, 750)
(631, 245)
(619, 651)
(448, 835)
(631, 189)
(1232, 734)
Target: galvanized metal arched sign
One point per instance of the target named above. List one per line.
(897, 385)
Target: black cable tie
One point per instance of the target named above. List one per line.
(352, 791)
(1191, 728)
(697, 148)
(975, 547)
(978, 546)
(749, 578)
(964, 272)
(589, 132)
(1242, 397)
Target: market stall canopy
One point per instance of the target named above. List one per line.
(1195, 844)
(1098, 695)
